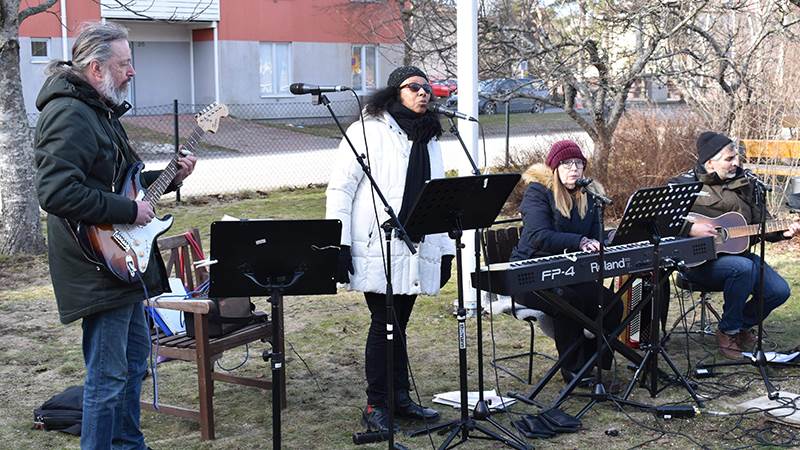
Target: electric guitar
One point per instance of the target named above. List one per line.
(733, 232)
(125, 249)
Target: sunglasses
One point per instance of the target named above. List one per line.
(415, 87)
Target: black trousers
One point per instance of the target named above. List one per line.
(567, 330)
(375, 354)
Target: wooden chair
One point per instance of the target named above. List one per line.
(202, 350)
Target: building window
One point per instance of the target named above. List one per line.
(275, 68)
(364, 67)
(40, 50)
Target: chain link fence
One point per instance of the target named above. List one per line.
(261, 147)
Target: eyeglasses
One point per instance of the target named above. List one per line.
(577, 163)
(415, 87)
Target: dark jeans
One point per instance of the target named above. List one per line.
(567, 330)
(116, 344)
(737, 277)
(375, 354)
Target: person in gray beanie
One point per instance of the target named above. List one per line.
(727, 189)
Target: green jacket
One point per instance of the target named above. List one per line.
(733, 194)
(82, 153)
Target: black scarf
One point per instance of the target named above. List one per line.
(420, 128)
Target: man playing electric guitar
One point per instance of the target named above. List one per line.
(726, 189)
(82, 155)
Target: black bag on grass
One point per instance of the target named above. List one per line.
(62, 412)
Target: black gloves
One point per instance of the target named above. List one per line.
(447, 268)
(344, 267)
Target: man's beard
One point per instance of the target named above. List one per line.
(112, 93)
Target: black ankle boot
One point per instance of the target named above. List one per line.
(406, 407)
(376, 418)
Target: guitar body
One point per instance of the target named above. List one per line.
(124, 249)
(725, 243)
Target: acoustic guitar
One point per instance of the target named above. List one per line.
(733, 232)
(125, 249)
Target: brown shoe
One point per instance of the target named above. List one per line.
(728, 346)
(746, 339)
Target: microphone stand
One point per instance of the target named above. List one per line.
(393, 224)
(599, 393)
(481, 411)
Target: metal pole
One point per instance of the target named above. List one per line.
(508, 131)
(177, 140)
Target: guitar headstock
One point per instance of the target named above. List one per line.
(208, 118)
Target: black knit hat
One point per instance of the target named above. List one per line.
(402, 73)
(709, 144)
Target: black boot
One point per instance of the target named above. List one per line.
(376, 418)
(405, 407)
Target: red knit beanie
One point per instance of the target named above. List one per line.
(563, 150)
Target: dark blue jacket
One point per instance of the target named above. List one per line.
(545, 231)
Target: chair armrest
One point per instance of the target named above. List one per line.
(189, 306)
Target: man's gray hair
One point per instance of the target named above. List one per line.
(92, 44)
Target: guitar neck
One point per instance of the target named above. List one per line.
(158, 187)
(751, 230)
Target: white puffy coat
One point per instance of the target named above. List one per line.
(350, 199)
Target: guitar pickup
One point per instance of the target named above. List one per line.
(120, 240)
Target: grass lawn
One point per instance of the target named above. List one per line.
(493, 124)
(325, 347)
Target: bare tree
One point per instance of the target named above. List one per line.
(20, 228)
(593, 51)
(425, 28)
(729, 60)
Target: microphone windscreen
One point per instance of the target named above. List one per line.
(296, 88)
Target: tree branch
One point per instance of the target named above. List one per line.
(32, 10)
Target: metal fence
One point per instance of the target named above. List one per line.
(291, 144)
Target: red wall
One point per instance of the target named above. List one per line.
(48, 24)
(260, 20)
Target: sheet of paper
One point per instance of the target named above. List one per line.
(453, 398)
(775, 356)
(171, 321)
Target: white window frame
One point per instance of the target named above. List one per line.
(363, 88)
(275, 75)
(41, 59)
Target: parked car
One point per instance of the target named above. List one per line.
(444, 88)
(492, 90)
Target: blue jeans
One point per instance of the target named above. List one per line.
(737, 277)
(116, 344)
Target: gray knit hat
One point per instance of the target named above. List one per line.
(402, 73)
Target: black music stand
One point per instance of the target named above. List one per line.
(653, 214)
(452, 205)
(274, 258)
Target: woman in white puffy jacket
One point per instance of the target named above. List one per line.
(403, 152)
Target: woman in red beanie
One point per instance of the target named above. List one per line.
(559, 217)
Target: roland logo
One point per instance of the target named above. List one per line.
(619, 264)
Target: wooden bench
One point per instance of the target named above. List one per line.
(773, 157)
(202, 350)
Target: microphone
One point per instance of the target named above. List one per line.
(302, 88)
(750, 175)
(439, 109)
(585, 182)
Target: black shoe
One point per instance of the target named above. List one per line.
(406, 407)
(376, 418)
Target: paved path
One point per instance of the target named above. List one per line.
(233, 173)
